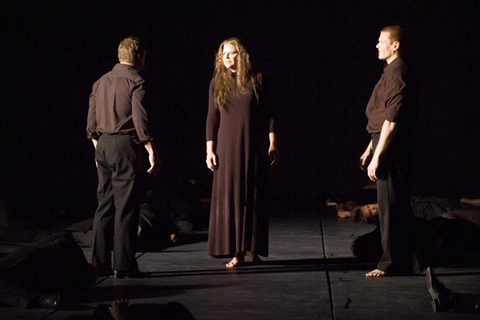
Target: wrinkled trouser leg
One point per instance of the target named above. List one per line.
(395, 213)
(118, 204)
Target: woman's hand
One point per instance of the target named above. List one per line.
(211, 161)
(273, 154)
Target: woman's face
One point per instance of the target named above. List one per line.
(230, 57)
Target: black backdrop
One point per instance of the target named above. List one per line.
(319, 57)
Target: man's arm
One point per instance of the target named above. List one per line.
(386, 136)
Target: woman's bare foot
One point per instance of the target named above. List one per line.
(377, 273)
(236, 262)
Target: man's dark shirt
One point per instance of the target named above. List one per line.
(388, 96)
(116, 105)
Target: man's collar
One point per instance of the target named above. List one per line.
(127, 63)
(394, 62)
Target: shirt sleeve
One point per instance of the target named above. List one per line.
(213, 115)
(92, 118)
(395, 95)
(139, 114)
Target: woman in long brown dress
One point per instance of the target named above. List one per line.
(240, 148)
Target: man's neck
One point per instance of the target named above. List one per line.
(389, 60)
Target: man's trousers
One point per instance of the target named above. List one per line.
(118, 209)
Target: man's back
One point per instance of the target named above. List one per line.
(116, 105)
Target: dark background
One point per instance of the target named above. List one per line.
(319, 57)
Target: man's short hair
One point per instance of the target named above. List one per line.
(129, 48)
(396, 33)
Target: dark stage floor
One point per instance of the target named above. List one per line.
(306, 276)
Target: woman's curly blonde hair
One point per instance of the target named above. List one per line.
(224, 82)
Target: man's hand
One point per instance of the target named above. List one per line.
(386, 136)
(366, 157)
(95, 142)
(364, 161)
(152, 158)
(372, 169)
(155, 164)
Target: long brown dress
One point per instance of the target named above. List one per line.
(238, 221)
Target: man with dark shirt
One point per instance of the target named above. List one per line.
(388, 154)
(117, 124)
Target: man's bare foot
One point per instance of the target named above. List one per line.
(377, 273)
(119, 309)
(236, 262)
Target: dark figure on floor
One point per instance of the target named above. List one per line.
(240, 147)
(179, 202)
(156, 230)
(118, 126)
(423, 207)
(346, 203)
(43, 274)
(448, 239)
(444, 299)
(387, 157)
(121, 310)
(167, 211)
